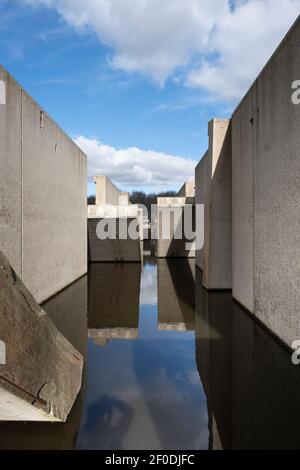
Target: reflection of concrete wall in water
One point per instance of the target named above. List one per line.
(43, 436)
(42, 196)
(113, 207)
(68, 311)
(264, 147)
(114, 291)
(176, 292)
(250, 382)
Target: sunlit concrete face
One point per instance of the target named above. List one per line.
(266, 197)
(42, 195)
(213, 189)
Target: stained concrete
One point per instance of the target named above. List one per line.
(266, 142)
(43, 372)
(42, 196)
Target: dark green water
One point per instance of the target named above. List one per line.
(168, 366)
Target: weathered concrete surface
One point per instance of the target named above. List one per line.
(108, 193)
(42, 375)
(170, 233)
(202, 185)
(176, 294)
(214, 190)
(114, 291)
(113, 250)
(266, 143)
(187, 190)
(249, 380)
(43, 175)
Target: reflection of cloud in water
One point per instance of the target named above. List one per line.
(148, 286)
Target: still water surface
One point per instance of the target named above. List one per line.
(168, 366)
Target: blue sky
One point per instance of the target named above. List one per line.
(135, 82)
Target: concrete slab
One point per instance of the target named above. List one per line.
(43, 372)
(42, 196)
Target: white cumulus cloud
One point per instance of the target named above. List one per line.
(135, 168)
(216, 45)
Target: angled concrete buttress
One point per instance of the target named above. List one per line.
(42, 373)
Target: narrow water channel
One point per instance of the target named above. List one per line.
(168, 366)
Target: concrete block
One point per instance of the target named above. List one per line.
(43, 372)
(11, 173)
(201, 194)
(113, 249)
(106, 191)
(42, 196)
(170, 233)
(217, 259)
(187, 190)
(272, 194)
(242, 204)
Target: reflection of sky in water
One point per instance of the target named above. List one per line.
(145, 394)
(148, 295)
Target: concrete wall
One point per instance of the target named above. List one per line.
(213, 182)
(200, 198)
(42, 196)
(106, 191)
(187, 190)
(266, 196)
(171, 240)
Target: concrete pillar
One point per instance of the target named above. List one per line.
(42, 374)
(214, 183)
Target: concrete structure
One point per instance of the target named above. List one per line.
(118, 217)
(43, 371)
(114, 292)
(263, 150)
(42, 195)
(187, 190)
(174, 215)
(176, 294)
(266, 196)
(213, 189)
(249, 379)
